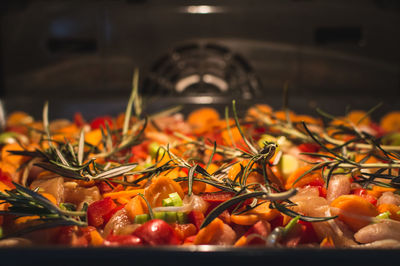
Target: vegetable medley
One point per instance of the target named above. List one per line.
(271, 178)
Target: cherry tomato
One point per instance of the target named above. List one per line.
(122, 240)
(157, 232)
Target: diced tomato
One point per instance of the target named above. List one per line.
(261, 228)
(189, 240)
(278, 221)
(216, 198)
(101, 121)
(183, 231)
(301, 233)
(157, 232)
(309, 147)
(6, 179)
(196, 218)
(108, 216)
(363, 193)
(98, 210)
(22, 129)
(260, 130)
(64, 235)
(309, 235)
(122, 240)
(78, 119)
(318, 183)
(139, 152)
(378, 129)
(104, 187)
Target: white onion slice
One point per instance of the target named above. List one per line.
(187, 206)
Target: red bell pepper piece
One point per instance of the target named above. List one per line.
(309, 147)
(98, 211)
(363, 193)
(122, 240)
(157, 232)
(78, 119)
(196, 218)
(101, 121)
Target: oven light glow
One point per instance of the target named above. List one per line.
(200, 9)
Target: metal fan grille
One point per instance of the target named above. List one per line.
(202, 69)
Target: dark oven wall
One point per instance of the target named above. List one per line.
(81, 54)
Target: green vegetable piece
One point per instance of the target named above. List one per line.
(288, 164)
(8, 137)
(170, 217)
(176, 200)
(153, 148)
(141, 218)
(1, 232)
(383, 215)
(167, 202)
(182, 218)
(159, 215)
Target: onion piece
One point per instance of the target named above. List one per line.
(187, 206)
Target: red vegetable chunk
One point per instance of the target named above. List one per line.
(98, 211)
(122, 240)
(157, 232)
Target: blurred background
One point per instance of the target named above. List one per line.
(80, 55)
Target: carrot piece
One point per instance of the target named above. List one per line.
(354, 211)
(124, 193)
(235, 135)
(245, 219)
(392, 208)
(10, 158)
(307, 119)
(242, 241)
(207, 234)
(264, 212)
(49, 197)
(95, 238)
(3, 187)
(135, 207)
(281, 114)
(355, 116)
(203, 119)
(19, 118)
(391, 121)
(308, 178)
(258, 109)
(93, 137)
(377, 191)
(123, 200)
(327, 242)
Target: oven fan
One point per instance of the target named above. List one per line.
(202, 70)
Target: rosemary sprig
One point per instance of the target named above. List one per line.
(25, 202)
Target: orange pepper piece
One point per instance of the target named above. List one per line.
(354, 211)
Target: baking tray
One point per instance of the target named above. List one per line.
(195, 255)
